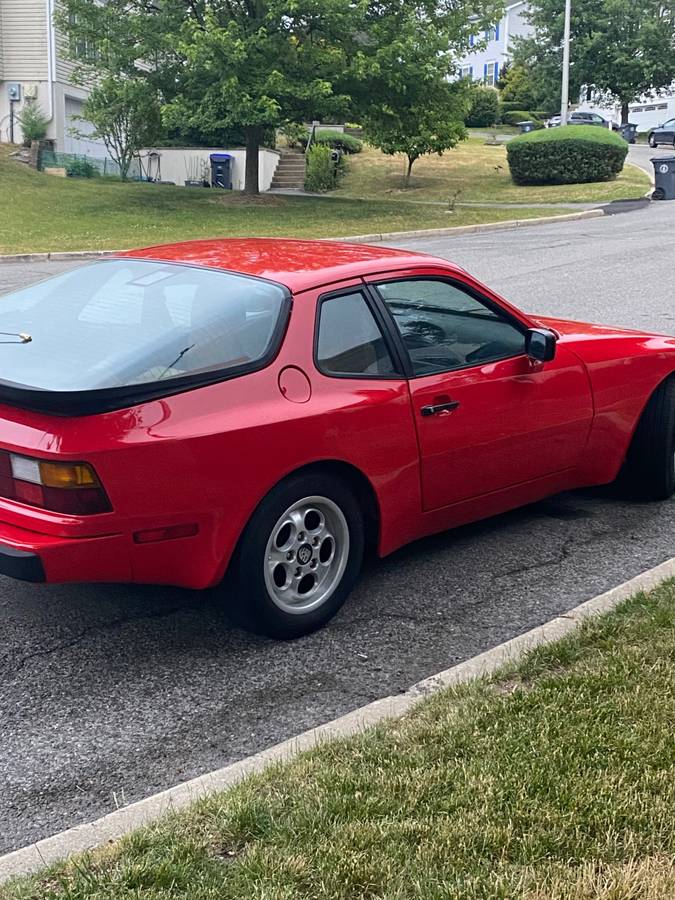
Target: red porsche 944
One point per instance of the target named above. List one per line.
(257, 413)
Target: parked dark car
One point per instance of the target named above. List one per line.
(663, 134)
(583, 118)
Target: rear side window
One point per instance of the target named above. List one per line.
(125, 322)
(350, 341)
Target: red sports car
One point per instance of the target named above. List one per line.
(259, 412)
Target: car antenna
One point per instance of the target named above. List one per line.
(23, 337)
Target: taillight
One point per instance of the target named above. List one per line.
(70, 488)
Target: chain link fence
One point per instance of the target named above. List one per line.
(83, 166)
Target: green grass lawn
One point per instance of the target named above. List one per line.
(44, 213)
(554, 780)
(480, 172)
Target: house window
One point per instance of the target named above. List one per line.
(492, 34)
(80, 48)
(466, 72)
(491, 73)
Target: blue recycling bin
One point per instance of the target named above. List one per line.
(221, 170)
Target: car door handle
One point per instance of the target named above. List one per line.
(439, 408)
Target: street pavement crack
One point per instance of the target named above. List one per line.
(83, 633)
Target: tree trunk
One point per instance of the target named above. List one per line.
(411, 163)
(253, 139)
(625, 112)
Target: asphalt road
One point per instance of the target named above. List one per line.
(110, 693)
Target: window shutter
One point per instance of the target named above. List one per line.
(485, 72)
(472, 41)
(497, 31)
(470, 71)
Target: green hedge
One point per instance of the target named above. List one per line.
(506, 106)
(574, 154)
(514, 117)
(337, 140)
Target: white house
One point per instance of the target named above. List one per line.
(494, 46)
(33, 66)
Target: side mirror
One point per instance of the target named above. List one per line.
(540, 344)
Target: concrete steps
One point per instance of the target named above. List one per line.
(290, 172)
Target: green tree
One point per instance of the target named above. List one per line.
(620, 48)
(254, 64)
(429, 119)
(402, 77)
(126, 117)
(517, 86)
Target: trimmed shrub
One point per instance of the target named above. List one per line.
(337, 140)
(506, 106)
(321, 172)
(574, 154)
(519, 115)
(484, 109)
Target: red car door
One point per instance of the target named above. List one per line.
(487, 416)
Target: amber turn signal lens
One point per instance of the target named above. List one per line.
(67, 475)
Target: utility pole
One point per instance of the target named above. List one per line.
(566, 64)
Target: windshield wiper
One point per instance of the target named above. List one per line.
(176, 360)
(23, 337)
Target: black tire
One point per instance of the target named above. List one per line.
(250, 603)
(652, 142)
(649, 470)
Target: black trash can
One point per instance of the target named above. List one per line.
(526, 127)
(221, 170)
(628, 132)
(664, 178)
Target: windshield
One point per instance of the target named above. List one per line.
(124, 322)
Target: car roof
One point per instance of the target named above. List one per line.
(297, 264)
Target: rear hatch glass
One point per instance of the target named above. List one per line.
(127, 327)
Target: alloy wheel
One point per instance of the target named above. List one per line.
(306, 555)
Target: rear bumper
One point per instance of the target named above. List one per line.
(29, 556)
(21, 564)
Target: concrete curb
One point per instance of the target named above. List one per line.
(356, 239)
(507, 225)
(116, 824)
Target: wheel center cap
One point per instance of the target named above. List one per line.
(304, 554)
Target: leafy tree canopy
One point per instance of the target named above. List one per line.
(255, 64)
(620, 48)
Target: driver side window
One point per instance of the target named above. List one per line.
(443, 327)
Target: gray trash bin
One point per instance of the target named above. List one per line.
(628, 132)
(664, 178)
(526, 127)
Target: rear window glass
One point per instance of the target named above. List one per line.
(129, 322)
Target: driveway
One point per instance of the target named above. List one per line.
(110, 693)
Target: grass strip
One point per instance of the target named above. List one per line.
(474, 171)
(42, 213)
